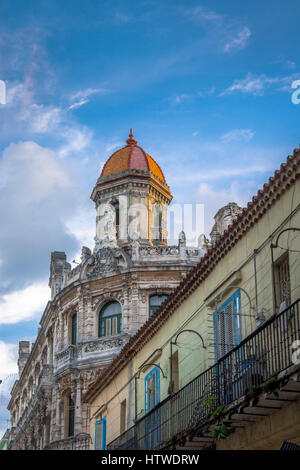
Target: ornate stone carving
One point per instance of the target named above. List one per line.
(104, 344)
(106, 261)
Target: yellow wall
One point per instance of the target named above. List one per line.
(108, 404)
(193, 359)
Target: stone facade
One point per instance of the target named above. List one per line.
(55, 371)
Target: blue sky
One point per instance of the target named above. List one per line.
(206, 87)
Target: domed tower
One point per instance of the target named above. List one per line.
(131, 197)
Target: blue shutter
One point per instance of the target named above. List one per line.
(152, 379)
(227, 325)
(100, 434)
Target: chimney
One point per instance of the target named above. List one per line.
(24, 351)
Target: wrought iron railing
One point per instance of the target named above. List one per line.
(263, 353)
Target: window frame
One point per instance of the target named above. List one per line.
(156, 307)
(156, 373)
(102, 327)
(71, 417)
(235, 300)
(74, 329)
(103, 444)
(279, 264)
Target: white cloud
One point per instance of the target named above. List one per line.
(178, 99)
(34, 169)
(237, 135)
(221, 173)
(77, 140)
(200, 13)
(78, 104)
(238, 42)
(290, 64)
(250, 84)
(82, 226)
(36, 195)
(41, 118)
(8, 375)
(113, 146)
(8, 360)
(213, 199)
(256, 85)
(24, 304)
(79, 98)
(14, 93)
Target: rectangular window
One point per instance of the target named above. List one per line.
(123, 417)
(71, 417)
(100, 434)
(227, 325)
(74, 329)
(175, 372)
(110, 326)
(282, 282)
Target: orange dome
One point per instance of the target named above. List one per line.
(131, 157)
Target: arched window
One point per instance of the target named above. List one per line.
(74, 329)
(110, 319)
(155, 302)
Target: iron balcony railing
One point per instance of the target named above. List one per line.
(263, 353)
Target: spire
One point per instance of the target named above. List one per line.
(131, 140)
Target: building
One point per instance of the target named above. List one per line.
(96, 307)
(4, 440)
(218, 365)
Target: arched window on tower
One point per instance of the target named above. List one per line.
(110, 319)
(155, 302)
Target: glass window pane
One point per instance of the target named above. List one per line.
(74, 329)
(155, 302)
(110, 309)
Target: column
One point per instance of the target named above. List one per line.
(57, 419)
(89, 320)
(78, 417)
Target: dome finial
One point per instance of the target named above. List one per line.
(131, 140)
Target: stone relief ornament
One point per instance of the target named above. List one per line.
(106, 261)
(108, 231)
(104, 345)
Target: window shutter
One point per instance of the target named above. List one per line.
(152, 389)
(107, 326)
(114, 325)
(100, 434)
(227, 326)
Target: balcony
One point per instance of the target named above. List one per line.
(78, 442)
(264, 354)
(44, 381)
(91, 351)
